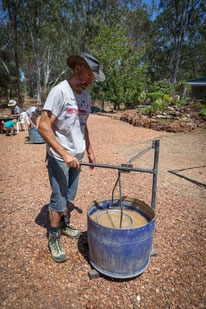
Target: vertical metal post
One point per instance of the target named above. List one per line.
(155, 145)
(120, 193)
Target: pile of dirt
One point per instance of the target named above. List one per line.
(185, 118)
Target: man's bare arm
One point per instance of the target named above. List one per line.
(33, 125)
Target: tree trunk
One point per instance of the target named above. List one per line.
(14, 42)
(175, 65)
(103, 105)
(38, 71)
(19, 95)
(36, 47)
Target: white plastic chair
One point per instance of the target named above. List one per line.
(21, 121)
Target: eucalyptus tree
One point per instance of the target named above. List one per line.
(176, 20)
(7, 75)
(193, 53)
(10, 23)
(138, 22)
(35, 26)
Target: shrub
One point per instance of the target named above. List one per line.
(182, 88)
(203, 111)
(181, 102)
(197, 106)
(160, 86)
(153, 96)
(167, 98)
(142, 97)
(156, 106)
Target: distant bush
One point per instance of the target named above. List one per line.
(197, 106)
(203, 100)
(153, 96)
(182, 88)
(160, 86)
(181, 102)
(203, 111)
(142, 98)
(167, 98)
(158, 105)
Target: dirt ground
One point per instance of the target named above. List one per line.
(175, 277)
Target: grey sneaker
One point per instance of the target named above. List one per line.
(69, 231)
(55, 246)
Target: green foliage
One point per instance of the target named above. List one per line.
(158, 105)
(49, 31)
(167, 98)
(142, 98)
(203, 100)
(180, 87)
(197, 106)
(178, 25)
(181, 102)
(161, 86)
(203, 111)
(154, 96)
(125, 73)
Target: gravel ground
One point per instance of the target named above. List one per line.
(175, 278)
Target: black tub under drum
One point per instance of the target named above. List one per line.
(120, 253)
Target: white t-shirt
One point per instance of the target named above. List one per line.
(16, 110)
(33, 113)
(72, 111)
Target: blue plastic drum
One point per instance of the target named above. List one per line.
(35, 137)
(120, 253)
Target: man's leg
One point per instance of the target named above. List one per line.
(58, 176)
(72, 189)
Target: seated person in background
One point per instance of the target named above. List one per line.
(33, 113)
(15, 110)
(9, 127)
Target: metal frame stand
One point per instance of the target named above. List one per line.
(126, 168)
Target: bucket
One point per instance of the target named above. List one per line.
(35, 137)
(120, 253)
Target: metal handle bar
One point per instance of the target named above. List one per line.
(129, 168)
(121, 168)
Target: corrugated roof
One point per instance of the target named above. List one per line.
(197, 81)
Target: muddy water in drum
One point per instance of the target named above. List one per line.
(112, 220)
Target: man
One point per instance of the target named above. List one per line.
(63, 125)
(33, 113)
(15, 110)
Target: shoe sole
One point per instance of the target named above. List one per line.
(72, 237)
(58, 260)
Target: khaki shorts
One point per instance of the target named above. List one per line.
(14, 121)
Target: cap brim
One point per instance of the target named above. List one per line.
(72, 60)
(100, 77)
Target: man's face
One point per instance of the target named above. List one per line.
(84, 76)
